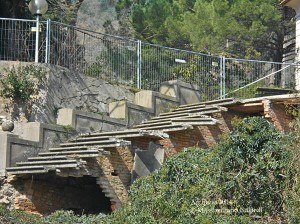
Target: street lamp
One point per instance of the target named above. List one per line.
(37, 8)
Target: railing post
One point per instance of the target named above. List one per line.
(221, 77)
(36, 59)
(139, 63)
(47, 52)
(224, 76)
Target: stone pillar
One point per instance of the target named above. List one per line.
(5, 151)
(66, 116)
(295, 4)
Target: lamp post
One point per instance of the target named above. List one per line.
(37, 8)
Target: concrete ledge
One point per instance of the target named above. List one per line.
(132, 113)
(13, 150)
(156, 101)
(36, 138)
(185, 93)
(46, 135)
(88, 122)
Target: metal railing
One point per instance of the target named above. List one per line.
(242, 77)
(137, 64)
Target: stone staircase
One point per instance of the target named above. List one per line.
(74, 154)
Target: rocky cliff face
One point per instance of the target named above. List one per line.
(63, 88)
(97, 14)
(101, 16)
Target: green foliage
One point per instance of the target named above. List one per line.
(68, 128)
(18, 217)
(246, 178)
(111, 59)
(21, 83)
(249, 28)
(196, 71)
(68, 217)
(58, 217)
(123, 4)
(253, 169)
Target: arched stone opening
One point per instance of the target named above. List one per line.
(48, 192)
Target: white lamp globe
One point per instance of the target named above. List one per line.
(38, 7)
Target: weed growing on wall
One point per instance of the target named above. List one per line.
(21, 82)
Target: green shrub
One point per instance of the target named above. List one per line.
(58, 217)
(244, 179)
(21, 83)
(68, 217)
(19, 217)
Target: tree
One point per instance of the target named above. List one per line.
(62, 11)
(243, 28)
(251, 29)
(12, 8)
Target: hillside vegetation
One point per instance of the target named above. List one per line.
(240, 28)
(251, 176)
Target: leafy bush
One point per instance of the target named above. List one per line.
(244, 179)
(21, 82)
(58, 217)
(18, 217)
(68, 217)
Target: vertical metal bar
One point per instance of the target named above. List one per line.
(221, 77)
(47, 41)
(138, 63)
(139, 59)
(37, 39)
(224, 76)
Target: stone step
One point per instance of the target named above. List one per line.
(196, 121)
(8, 169)
(51, 162)
(220, 102)
(75, 149)
(197, 110)
(96, 138)
(29, 170)
(112, 134)
(169, 128)
(126, 134)
(103, 144)
(199, 106)
(171, 116)
(84, 138)
(205, 112)
(121, 135)
(103, 185)
(110, 195)
(153, 124)
(77, 153)
(174, 118)
(47, 158)
(179, 121)
(38, 168)
(69, 148)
